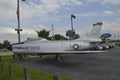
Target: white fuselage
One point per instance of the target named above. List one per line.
(42, 47)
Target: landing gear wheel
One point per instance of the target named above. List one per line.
(58, 57)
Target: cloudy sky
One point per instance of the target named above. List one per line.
(41, 14)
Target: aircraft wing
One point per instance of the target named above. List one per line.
(72, 52)
(83, 52)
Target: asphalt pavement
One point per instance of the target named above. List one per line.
(99, 66)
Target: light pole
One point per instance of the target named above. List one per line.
(72, 16)
(52, 30)
(18, 29)
(18, 19)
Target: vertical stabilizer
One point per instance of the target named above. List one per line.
(95, 31)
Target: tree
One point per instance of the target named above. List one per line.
(76, 36)
(44, 34)
(1, 45)
(59, 37)
(4, 44)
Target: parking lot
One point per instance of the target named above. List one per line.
(99, 66)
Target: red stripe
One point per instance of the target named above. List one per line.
(99, 23)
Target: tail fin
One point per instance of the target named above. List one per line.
(95, 31)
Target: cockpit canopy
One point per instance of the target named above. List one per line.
(35, 39)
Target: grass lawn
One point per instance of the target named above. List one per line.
(18, 71)
(5, 50)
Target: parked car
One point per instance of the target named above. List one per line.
(103, 46)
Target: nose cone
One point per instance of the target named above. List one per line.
(9, 47)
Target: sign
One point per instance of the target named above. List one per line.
(106, 35)
(70, 33)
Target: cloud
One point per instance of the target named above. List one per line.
(61, 2)
(12, 31)
(44, 7)
(88, 14)
(113, 2)
(107, 12)
(91, 1)
(112, 27)
(28, 9)
(7, 31)
(7, 4)
(91, 14)
(11, 35)
(7, 9)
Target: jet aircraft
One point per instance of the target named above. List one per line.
(43, 46)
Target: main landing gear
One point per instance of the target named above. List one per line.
(58, 57)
